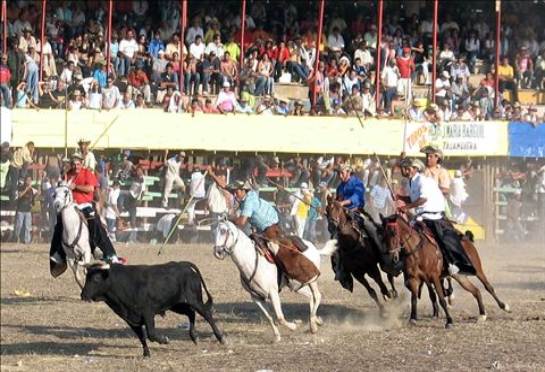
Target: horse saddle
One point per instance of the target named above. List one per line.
(297, 242)
(262, 247)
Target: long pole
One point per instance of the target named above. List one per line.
(4, 26)
(242, 29)
(318, 43)
(42, 39)
(173, 228)
(378, 52)
(434, 55)
(183, 20)
(109, 37)
(498, 49)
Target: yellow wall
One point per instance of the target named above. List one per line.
(156, 130)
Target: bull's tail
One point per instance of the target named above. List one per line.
(329, 248)
(209, 302)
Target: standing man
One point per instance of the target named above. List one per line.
(82, 183)
(172, 176)
(89, 160)
(23, 214)
(428, 202)
(21, 160)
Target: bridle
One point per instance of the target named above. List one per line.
(229, 251)
(223, 247)
(404, 245)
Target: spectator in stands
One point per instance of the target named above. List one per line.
(127, 50)
(172, 176)
(300, 209)
(110, 95)
(126, 102)
(442, 88)
(506, 75)
(156, 45)
(209, 108)
(23, 214)
(77, 101)
(31, 75)
(524, 67)
(139, 80)
(226, 101)
(405, 65)
(5, 78)
(539, 76)
(20, 162)
(390, 79)
(472, 46)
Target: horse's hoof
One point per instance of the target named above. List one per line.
(319, 321)
(277, 339)
(481, 318)
(313, 327)
(291, 326)
(435, 315)
(448, 326)
(412, 322)
(386, 297)
(506, 308)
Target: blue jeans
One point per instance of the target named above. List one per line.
(263, 85)
(297, 69)
(389, 94)
(32, 82)
(310, 230)
(23, 221)
(4, 88)
(190, 78)
(124, 65)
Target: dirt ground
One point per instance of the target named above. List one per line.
(46, 327)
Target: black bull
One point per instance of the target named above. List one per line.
(138, 293)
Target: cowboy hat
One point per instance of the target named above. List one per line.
(84, 140)
(412, 163)
(76, 155)
(240, 185)
(431, 149)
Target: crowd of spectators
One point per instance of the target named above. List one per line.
(279, 47)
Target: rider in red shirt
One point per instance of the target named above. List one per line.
(82, 182)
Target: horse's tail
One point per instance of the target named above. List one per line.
(329, 248)
(209, 302)
(469, 235)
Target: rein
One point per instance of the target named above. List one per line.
(405, 243)
(78, 235)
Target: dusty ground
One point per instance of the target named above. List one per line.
(50, 329)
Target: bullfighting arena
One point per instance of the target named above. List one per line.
(46, 327)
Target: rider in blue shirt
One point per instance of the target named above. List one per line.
(350, 192)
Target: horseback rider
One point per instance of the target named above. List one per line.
(434, 169)
(351, 195)
(82, 182)
(427, 199)
(264, 219)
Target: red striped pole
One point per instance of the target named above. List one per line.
(318, 43)
(4, 26)
(380, 12)
(242, 29)
(42, 39)
(434, 56)
(497, 97)
(183, 20)
(109, 37)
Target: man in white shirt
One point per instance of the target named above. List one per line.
(112, 212)
(172, 176)
(335, 41)
(127, 48)
(219, 200)
(193, 31)
(196, 49)
(215, 46)
(197, 191)
(442, 87)
(390, 78)
(428, 202)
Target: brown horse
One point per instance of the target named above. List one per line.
(359, 256)
(423, 263)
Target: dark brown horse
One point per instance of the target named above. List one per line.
(358, 254)
(423, 263)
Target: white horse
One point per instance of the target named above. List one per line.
(259, 276)
(75, 233)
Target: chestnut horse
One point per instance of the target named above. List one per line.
(359, 256)
(423, 263)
